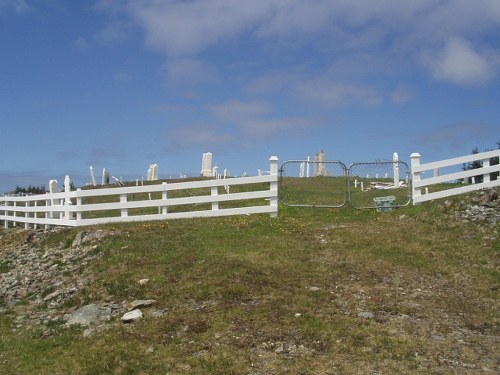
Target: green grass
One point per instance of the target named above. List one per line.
(252, 294)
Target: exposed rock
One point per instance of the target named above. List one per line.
(141, 303)
(89, 314)
(366, 315)
(83, 237)
(132, 316)
(45, 279)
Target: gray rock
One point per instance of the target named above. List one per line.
(366, 315)
(89, 314)
(141, 303)
(132, 316)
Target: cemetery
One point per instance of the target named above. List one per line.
(98, 280)
(318, 183)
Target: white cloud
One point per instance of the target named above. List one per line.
(358, 38)
(458, 62)
(256, 119)
(16, 6)
(82, 44)
(402, 94)
(196, 135)
(237, 111)
(332, 94)
(190, 72)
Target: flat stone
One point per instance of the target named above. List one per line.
(366, 315)
(132, 316)
(85, 315)
(52, 295)
(89, 314)
(141, 303)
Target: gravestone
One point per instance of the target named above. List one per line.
(92, 176)
(105, 177)
(395, 159)
(206, 165)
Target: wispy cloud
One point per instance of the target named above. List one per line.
(15, 6)
(190, 72)
(237, 123)
(353, 39)
(401, 94)
(464, 134)
(458, 62)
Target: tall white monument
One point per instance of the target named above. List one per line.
(92, 176)
(206, 165)
(152, 172)
(105, 177)
(395, 159)
(319, 167)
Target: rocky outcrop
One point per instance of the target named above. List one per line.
(38, 283)
(482, 206)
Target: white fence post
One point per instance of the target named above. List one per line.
(6, 222)
(416, 176)
(79, 203)
(214, 192)
(273, 201)
(123, 199)
(26, 214)
(67, 200)
(486, 176)
(54, 188)
(164, 197)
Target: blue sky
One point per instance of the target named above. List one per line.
(122, 84)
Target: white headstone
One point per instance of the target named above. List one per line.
(105, 177)
(53, 186)
(206, 165)
(67, 184)
(319, 167)
(395, 159)
(150, 173)
(92, 176)
(154, 172)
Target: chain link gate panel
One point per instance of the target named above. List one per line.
(313, 184)
(371, 182)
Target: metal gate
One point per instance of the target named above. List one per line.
(313, 184)
(306, 183)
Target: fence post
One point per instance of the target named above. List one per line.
(48, 215)
(54, 188)
(214, 192)
(416, 176)
(35, 215)
(6, 222)
(79, 202)
(26, 214)
(273, 186)
(164, 197)
(486, 176)
(14, 213)
(123, 199)
(67, 200)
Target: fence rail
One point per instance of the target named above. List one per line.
(481, 177)
(205, 198)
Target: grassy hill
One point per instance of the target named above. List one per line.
(314, 291)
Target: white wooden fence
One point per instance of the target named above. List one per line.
(68, 208)
(419, 182)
